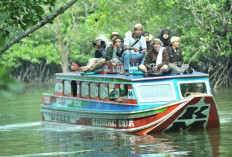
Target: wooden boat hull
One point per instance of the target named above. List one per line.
(196, 112)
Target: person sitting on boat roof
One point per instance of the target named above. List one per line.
(113, 36)
(111, 47)
(148, 38)
(165, 37)
(75, 66)
(113, 56)
(156, 60)
(176, 65)
(135, 48)
(99, 54)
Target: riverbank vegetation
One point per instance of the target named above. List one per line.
(205, 27)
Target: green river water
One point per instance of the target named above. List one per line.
(22, 134)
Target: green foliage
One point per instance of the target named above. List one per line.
(8, 85)
(118, 15)
(35, 49)
(20, 14)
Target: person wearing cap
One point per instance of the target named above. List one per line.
(156, 60)
(114, 35)
(99, 57)
(135, 48)
(176, 65)
(165, 37)
(111, 47)
(113, 56)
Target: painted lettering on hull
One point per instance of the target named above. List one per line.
(125, 123)
(61, 102)
(193, 117)
(104, 122)
(60, 118)
(112, 123)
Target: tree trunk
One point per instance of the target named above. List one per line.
(63, 54)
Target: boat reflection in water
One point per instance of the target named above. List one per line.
(73, 140)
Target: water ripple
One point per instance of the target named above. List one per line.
(50, 154)
(10, 127)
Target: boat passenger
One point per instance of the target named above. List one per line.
(114, 52)
(148, 38)
(99, 54)
(123, 93)
(75, 66)
(156, 60)
(111, 47)
(176, 65)
(135, 48)
(165, 37)
(114, 35)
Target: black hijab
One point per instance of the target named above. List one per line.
(167, 41)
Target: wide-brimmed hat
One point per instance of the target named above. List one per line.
(114, 33)
(156, 40)
(175, 38)
(138, 26)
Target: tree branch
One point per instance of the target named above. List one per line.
(199, 21)
(37, 26)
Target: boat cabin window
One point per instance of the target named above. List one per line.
(116, 93)
(155, 92)
(123, 90)
(93, 90)
(102, 89)
(112, 92)
(74, 88)
(66, 88)
(189, 88)
(59, 87)
(84, 89)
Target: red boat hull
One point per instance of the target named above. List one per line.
(197, 112)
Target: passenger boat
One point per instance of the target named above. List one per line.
(151, 104)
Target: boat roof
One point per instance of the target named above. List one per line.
(122, 78)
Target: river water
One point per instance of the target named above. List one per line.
(22, 134)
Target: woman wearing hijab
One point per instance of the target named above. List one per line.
(165, 37)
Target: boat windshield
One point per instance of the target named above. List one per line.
(155, 92)
(192, 88)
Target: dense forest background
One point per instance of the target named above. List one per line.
(205, 28)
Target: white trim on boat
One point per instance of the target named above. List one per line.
(196, 81)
